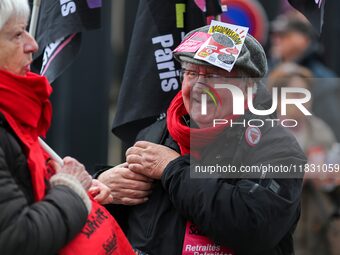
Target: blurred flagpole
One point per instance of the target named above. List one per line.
(34, 17)
(51, 152)
(32, 31)
(213, 9)
(58, 37)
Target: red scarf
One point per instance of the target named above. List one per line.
(25, 104)
(185, 136)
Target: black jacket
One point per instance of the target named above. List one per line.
(247, 215)
(26, 227)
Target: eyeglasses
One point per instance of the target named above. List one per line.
(193, 75)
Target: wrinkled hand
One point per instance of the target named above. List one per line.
(127, 187)
(100, 192)
(73, 167)
(149, 159)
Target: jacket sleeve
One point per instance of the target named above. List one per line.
(244, 216)
(43, 227)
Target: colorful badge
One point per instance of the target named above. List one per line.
(253, 135)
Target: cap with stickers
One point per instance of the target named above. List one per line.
(225, 46)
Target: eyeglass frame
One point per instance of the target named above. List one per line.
(207, 75)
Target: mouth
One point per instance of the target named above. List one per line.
(198, 100)
(211, 97)
(212, 94)
(27, 67)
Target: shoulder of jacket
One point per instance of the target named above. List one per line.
(155, 132)
(3, 129)
(8, 140)
(2, 120)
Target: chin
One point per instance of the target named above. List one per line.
(19, 72)
(203, 121)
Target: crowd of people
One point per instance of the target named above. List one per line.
(296, 62)
(162, 205)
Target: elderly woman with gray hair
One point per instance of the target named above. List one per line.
(177, 202)
(40, 211)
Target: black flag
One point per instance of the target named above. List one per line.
(58, 33)
(213, 7)
(151, 74)
(313, 10)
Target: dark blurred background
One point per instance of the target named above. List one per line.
(85, 95)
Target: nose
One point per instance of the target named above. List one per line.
(31, 45)
(199, 87)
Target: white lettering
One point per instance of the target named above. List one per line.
(164, 40)
(204, 105)
(238, 100)
(220, 122)
(167, 85)
(318, 2)
(164, 60)
(295, 101)
(49, 49)
(163, 55)
(283, 123)
(238, 97)
(256, 120)
(289, 123)
(262, 112)
(67, 7)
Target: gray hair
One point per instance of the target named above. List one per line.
(13, 8)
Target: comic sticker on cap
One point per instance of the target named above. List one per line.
(253, 135)
(193, 43)
(224, 46)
